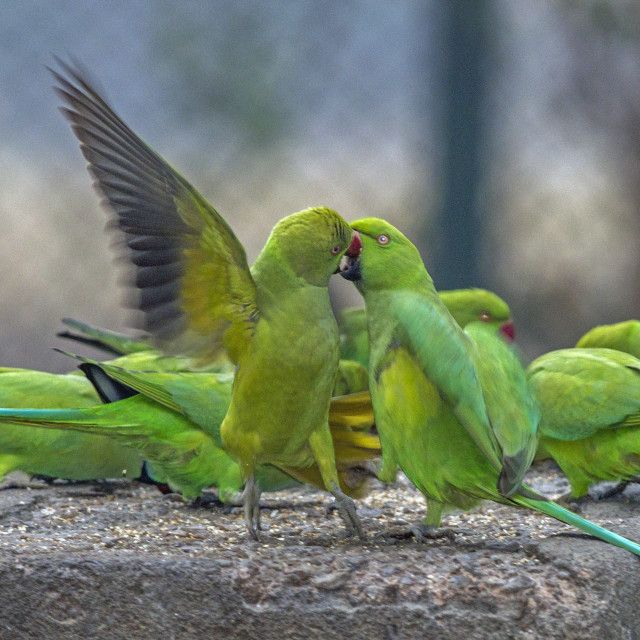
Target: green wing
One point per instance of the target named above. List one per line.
(582, 391)
(195, 288)
(201, 397)
(445, 355)
(513, 411)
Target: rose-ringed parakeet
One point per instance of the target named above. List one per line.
(58, 454)
(590, 424)
(452, 407)
(465, 305)
(199, 297)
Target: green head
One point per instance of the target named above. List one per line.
(311, 243)
(388, 260)
(469, 305)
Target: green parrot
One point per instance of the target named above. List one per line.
(623, 336)
(172, 419)
(200, 298)
(590, 402)
(465, 305)
(59, 454)
(452, 407)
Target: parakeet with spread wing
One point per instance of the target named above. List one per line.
(199, 297)
(452, 407)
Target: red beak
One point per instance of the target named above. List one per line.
(508, 330)
(355, 248)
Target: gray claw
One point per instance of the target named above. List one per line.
(347, 510)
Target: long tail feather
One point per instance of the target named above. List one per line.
(559, 513)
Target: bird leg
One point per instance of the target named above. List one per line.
(322, 448)
(251, 501)
(347, 510)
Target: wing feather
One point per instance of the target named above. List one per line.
(195, 288)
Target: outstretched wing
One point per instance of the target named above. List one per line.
(195, 288)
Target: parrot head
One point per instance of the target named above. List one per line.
(469, 305)
(389, 260)
(312, 242)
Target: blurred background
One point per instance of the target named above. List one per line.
(502, 137)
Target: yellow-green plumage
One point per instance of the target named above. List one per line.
(622, 336)
(59, 454)
(452, 407)
(199, 297)
(590, 402)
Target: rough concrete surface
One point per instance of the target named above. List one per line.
(119, 560)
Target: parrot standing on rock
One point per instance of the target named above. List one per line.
(200, 298)
(590, 422)
(452, 407)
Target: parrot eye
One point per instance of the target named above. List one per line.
(383, 239)
(336, 250)
(484, 316)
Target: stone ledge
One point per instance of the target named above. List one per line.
(119, 561)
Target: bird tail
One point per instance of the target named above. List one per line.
(97, 420)
(109, 341)
(539, 503)
(355, 443)
(353, 429)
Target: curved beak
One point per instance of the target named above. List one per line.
(508, 330)
(355, 248)
(349, 267)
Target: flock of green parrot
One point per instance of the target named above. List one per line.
(247, 383)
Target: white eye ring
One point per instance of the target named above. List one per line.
(383, 239)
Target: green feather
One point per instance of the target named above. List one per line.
(465, 305)
(59, 454)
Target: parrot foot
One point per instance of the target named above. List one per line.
(614, 491)
(619, 488)
(208, 500)
(421, 532)
(251, 501)
(347, 510)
